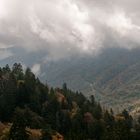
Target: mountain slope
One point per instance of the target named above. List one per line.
(113, 76)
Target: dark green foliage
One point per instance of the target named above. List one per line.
(18, 128)
(37, 106)
(46, 133)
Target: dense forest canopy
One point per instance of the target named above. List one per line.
(27, 103)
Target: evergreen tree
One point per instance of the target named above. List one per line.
(18, 129)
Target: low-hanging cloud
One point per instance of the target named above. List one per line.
(66, 27)
(36, 69)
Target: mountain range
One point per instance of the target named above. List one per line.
(113, 76)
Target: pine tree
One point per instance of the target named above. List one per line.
(18, 129)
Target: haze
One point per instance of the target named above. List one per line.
(62, 28)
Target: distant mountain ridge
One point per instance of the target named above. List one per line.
(113, 76)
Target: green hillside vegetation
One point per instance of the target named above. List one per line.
(27, 104)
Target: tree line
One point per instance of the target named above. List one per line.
(26, 102)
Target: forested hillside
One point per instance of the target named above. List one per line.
(113, 76)
(29, 107)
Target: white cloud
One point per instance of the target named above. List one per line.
(120, 23)
(66, 27)
(36, 69)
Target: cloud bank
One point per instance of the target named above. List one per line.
(62, 28)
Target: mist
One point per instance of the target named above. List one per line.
(61, 29)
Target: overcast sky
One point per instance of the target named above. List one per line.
(65, 27)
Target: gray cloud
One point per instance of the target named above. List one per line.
(62, 28)
(4, 54)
